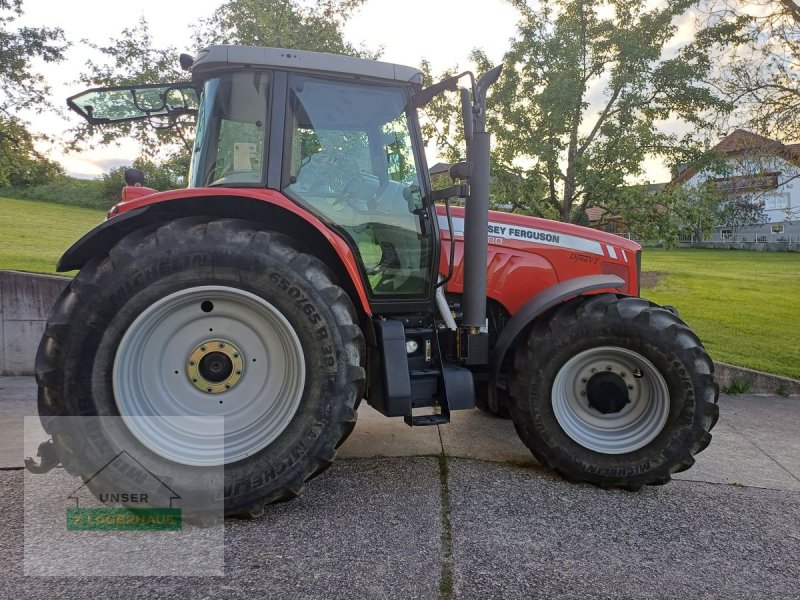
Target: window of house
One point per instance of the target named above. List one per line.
(777, 228)
(776, 202)
(726, 234)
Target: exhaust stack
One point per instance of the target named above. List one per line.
(476, 212)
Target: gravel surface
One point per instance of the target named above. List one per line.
(364, 529)
(520, 534)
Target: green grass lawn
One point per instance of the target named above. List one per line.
(34, 235)
(745, 306)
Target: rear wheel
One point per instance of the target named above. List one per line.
(624, 394)
(206, 318)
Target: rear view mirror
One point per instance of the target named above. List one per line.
(100, 106)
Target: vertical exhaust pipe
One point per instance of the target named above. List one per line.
(476, 212)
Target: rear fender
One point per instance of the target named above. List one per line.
(275, 213)
(535, 307)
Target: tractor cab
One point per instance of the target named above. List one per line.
(339, 136)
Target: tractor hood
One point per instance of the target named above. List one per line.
(508, 228)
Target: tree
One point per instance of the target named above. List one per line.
(168, 175)
(672, 212)
(20, 163)
(758, 65)
(22, 88)
(741, 210)
(133, 58)
(282, 24)
(512, 187)
(584, 89)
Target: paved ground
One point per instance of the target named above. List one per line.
(394, 518)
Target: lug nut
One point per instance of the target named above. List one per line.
(202, 348)
(221, 345)
(608, 368)
(630, 387)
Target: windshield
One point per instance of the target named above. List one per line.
(353, 163)
(231, 131)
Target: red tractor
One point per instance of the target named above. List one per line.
(309, 264)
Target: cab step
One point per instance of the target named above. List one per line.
(426, 420)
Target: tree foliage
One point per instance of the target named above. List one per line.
(20, 163)
(671, 212)
(133, 58)
(512, 188)
(282, 24)
(741, 210)
(23, 88)
(166, 175)
(758, 65)
(585, 88)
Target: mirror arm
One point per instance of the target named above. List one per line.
(454, 191)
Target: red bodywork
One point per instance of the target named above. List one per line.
(526, 254)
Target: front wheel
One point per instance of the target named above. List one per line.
(613, 391)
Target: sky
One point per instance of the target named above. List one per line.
(441, 31)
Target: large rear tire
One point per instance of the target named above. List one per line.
(206, 317)
(613, 391)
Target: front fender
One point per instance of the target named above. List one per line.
(533, 308)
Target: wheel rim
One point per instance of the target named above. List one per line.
(247, 345)
(589, 404)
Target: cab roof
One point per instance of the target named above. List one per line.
(217, 59)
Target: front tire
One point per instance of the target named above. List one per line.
(206, 317)
(613, 391)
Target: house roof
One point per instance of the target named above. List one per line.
(439, 167)
(595, 213)
(741, 141)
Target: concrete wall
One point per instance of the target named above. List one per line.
(757, 382)
(25, 301)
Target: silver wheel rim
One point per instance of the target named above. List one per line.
(150, 376)
(634, 426)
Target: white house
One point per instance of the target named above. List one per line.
(760, 170)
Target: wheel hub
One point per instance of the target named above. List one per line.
(610, 399)
(215, 366)
(607, 392)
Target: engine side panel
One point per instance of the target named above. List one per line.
(528, 255)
